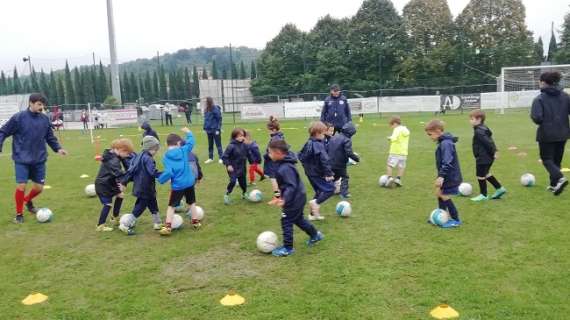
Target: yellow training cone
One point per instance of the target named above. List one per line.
(444, 311)
(83, 176)
(34, 299)
(47, 187)
(232, 299)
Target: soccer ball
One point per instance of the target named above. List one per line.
(266, 241)
(255, 196)
(383, 181)
(528, 180)
(465, 189)
(439, 217)
(344, 209)
(128, 220)
(90, 190)
(199, 213)
(44, 215)
(177, 222)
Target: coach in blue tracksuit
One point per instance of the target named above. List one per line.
(30, 131)
(336, 109)
(213, 128)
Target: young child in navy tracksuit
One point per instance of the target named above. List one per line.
(182, 180)
(108, 181)
(340, 150)
(254, 158)
(316, 163)
(142, 171)
(274, 128)
(484, 150)
(235, 160)
(329, 134)
(448, 171)
(31, 130)
(293, 198)
(148, 131)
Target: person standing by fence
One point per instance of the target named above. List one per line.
(550, 111)
(213, 127)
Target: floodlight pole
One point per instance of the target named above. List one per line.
(115, 83)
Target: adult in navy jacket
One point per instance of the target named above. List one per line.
(336, 109)
(213, 128)
(30, 131)
(550, 112)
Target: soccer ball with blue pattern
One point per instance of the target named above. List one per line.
(528, 180)
(44, 215)
(344, 209)
(255, 196)
(439, 217)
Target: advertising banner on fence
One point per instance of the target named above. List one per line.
(460, 101)
(262, 111)
(311, 109)
(117, 117)
(410, 104)
(12, 104)
(363, 105)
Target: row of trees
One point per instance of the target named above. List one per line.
(92, 83)
(425, 46)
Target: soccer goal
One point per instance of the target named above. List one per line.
(526, 78)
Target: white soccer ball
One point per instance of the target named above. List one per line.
(528, 180)
(128, 220)
(266, 241)
(44, 215)
(255, 196)
(465, 189)
(383, 181)
(439, 217)
(344, 209)
(177, 222)
(90, 190)
(199, 213)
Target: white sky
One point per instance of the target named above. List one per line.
(52, 30)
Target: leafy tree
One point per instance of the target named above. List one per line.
(563, 53)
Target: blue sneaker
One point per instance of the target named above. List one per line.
(282, 252)
(451, 224)
(320, 236)
(499, 193)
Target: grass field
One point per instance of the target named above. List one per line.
(510, 259)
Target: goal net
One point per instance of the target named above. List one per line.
(527, 78)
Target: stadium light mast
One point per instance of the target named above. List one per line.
(115, 83)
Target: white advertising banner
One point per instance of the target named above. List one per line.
(363, 105)
(262, 111)
(410, 104)
(118, 117)
(311, 109)
(12, 104)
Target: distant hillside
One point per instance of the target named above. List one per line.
(199, 57)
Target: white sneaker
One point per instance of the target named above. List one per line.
(209, 161)
(315, 214)
(337, 186)
(220, 161)
(157, 226)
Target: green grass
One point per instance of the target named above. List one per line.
(510, 259)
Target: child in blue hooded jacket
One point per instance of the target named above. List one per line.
(448, 171)
(316, 163)
(235, 160)
(177, 170)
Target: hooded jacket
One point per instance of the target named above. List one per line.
(550, 112)
(484, 148)
(290, 184)
(195, 165)
(111, 172)
(254, 156)
(177, 166)
(272, 137)
(447, 162)
(142, 171)
(30, 132)
(336, 111)
(315, 159)
(236, 155)
(340, 147)
(148, 131)
(213, 120)
(399, 141)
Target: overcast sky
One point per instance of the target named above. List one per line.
(51, 31)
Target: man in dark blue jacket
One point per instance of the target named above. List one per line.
(340, 150)
(142, 171)
(336, 109)
(448, 171)
(550, 112)
(30, 131)
(293, 198)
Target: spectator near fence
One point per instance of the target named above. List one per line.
(550, 112)
(85, 120)
(213, 127)
(336, 109)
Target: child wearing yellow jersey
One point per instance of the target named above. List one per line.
(398, 151)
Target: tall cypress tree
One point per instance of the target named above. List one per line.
(3, 84)
(78, 85)
(253, 71)
(235, 74)
(195, 82)
(16, 84)
(563, 54)
(539, 50)
(44, 84)
(155, 86)
(69, 90)
(125, 90)
(242, 72)
(35, 84)
(102, 84)
(148, 87)
(552, 46)
(204, 74)
(162, 86)
(134, 87)
(215, 70)
(187, 84)
(225, 73)
(52, 93)
(61, 93)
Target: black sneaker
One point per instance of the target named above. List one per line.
(31, 208)
(19, 219)
(559, 188)
(262, 178)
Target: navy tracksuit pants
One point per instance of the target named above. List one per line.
(295, 218)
